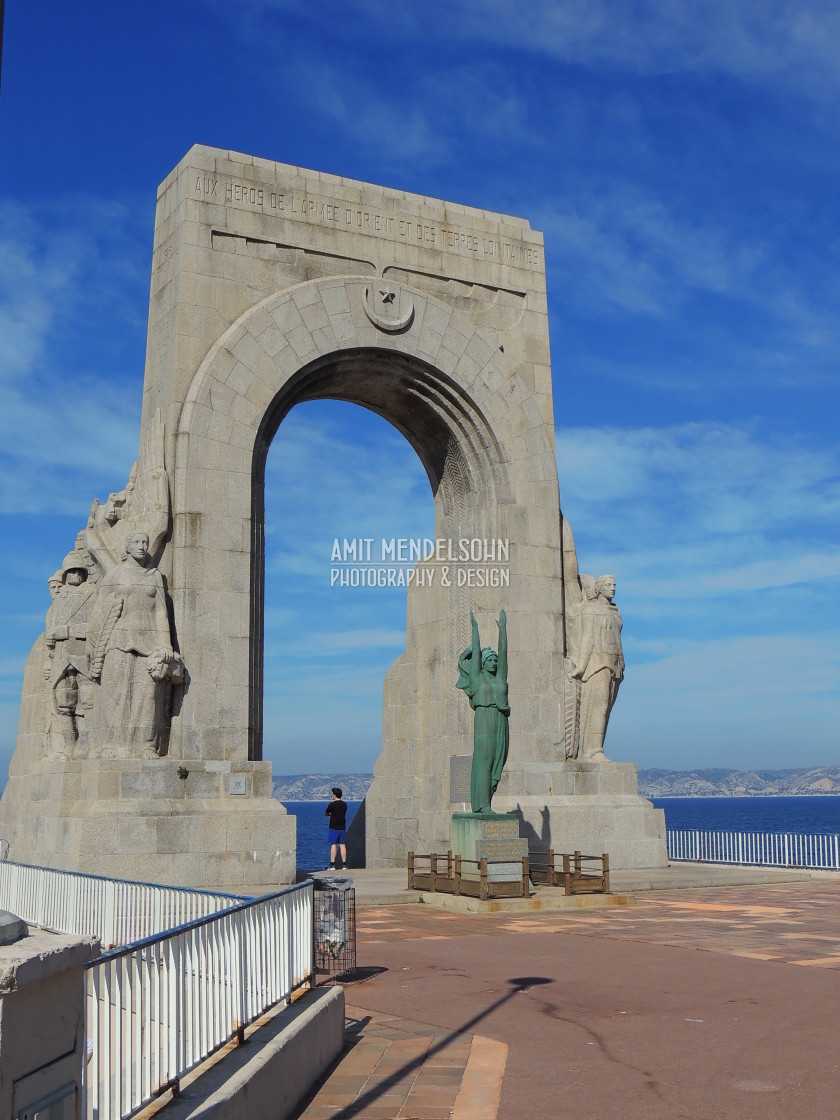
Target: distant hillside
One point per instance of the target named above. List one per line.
(318, 787)
(740, 783)
(652, 783)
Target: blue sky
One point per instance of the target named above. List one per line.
(682, 160)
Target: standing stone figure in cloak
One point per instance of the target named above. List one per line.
(599, 666)
(132, 656)
(484, 678)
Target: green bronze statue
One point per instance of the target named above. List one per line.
(484, 678)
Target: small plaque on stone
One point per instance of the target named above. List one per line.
(460, 770)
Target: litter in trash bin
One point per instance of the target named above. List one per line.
(335, 925)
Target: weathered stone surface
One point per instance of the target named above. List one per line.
(42, 995)
(495, 838)
(152, 825)
(12, 928)
(596, 666)
(273, 285)
(41, 956)
(590, 807)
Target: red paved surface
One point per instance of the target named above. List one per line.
(712, 1003)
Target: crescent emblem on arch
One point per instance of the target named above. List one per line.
(388, 306)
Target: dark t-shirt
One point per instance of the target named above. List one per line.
(337, 812)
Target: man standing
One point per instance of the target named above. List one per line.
(337, 835)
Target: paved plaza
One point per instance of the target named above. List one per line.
(715, 1003)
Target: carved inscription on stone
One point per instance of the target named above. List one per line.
(502, 850)
(492, 830)
(460, 767)
(338, 214)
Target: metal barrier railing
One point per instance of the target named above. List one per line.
(117, 911)
(761, 849)
(159, 1007)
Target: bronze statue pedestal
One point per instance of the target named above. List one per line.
(491, 836)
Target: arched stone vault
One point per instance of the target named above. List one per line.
(437, 382)
(448, 386)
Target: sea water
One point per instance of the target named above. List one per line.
(812, 815)
(313, 851)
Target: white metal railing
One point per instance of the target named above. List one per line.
(764, 849)
(158, 1008)
(117, 911)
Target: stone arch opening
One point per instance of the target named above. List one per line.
(435, 379)
(335, 472)
(450, 435)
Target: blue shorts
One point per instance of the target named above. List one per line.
(336, 836)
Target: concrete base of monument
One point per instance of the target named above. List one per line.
(216, 828)
(590, 807)
(494, 837)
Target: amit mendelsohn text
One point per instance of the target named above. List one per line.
(358, 557)
(411, 550)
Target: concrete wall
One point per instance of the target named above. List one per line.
(272, 1071)
(42, 1043)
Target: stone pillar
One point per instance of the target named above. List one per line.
(42, 1042)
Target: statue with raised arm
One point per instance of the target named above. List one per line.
(484, 678)
(142, 506)
(132, 656)
(598, 666)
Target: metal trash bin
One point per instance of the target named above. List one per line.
(335, 926)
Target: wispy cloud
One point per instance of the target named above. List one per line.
(761, 311)
(736, 702)
(624, 245)
(699, 481)
(701, 512)
(334, 471)
(338, 471)
(335, 643)
(726, 550)
(795, 42)
(67, 423)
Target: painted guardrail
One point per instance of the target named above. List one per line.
(158, 1008)
(761, 849)
(192, 970)
(117, 911)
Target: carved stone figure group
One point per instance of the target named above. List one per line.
(112, 661)
(111, 656)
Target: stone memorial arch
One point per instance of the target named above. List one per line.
(271, 286)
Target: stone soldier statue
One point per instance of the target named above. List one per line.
(69, 667)
(599, 666)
